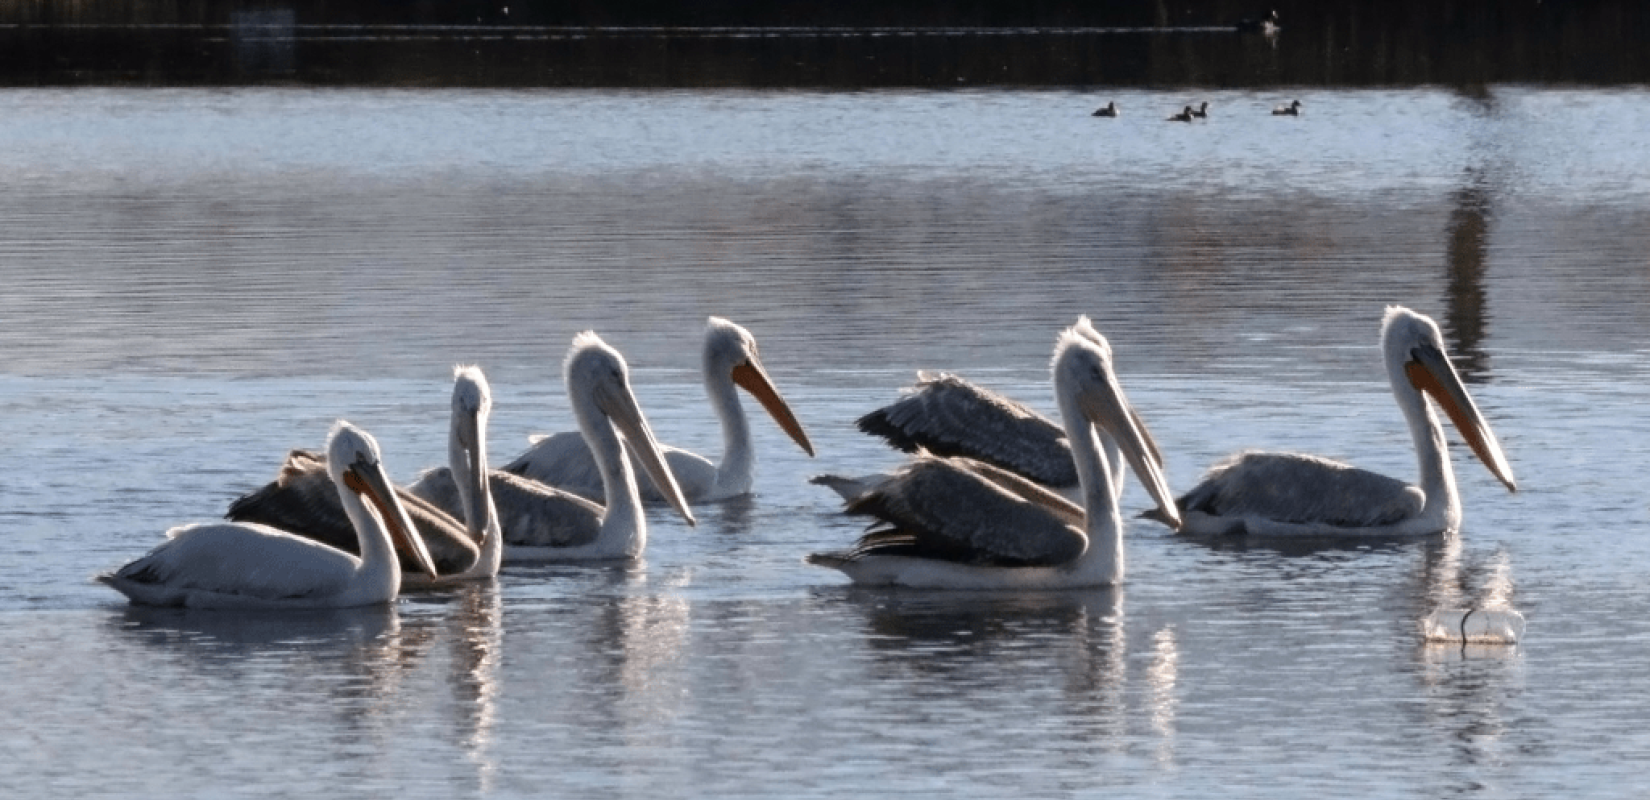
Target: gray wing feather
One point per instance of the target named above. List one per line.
(1030, 491)
(949, 416)
(1300, 488)
(303, 501)
(529, 513)
(562, 460)
(940, 508)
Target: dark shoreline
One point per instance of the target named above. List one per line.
(637, 45)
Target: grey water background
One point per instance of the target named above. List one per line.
(198, 279)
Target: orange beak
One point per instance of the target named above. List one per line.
(752, 378)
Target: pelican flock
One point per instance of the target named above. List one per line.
(244, 565)
(1294, 494)
(956, 523)
(730, 360)
(992, 496)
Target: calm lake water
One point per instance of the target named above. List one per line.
(198, 280)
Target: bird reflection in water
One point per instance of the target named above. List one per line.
(1466, 316)
(1463, 614)
(362, 666)
(732, 517)
(1078, 639)
(637, 645)
(1465, 686)
(352, 661)
(1162, 678)
(475, 631)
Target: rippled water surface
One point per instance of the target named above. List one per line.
(198, 280)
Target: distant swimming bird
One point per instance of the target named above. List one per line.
(302, 499)
(1293, 494)
(1202, 111)
(956, 523)
(1291, 110)
(1184, 116)
(250, 566)
(542, 523)
(730, 359)
(1266, 25)
(1108, 110)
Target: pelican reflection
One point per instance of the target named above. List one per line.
(1466, 687)
(474, 630)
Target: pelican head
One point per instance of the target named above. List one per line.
(599, 372)
(1086, 384)
(1415, 357)
(1085, 329)
(730, 350)
(472, 397)
(472, 405)
(354, 464)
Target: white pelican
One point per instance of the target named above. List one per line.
(545, 523)
(246, 565)
(302, 499)
(946, 415)
(730, 359)
(1292, 494)
(958, 524)
(467, 455)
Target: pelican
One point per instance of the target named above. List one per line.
(1291, 110)
(249, 566)
(1107, 110)
(467, 455)
(542, 523)
(954, 523)
(947, 415)
(301, 499)
(1292, 494)
(730, 359)
(1184, 116)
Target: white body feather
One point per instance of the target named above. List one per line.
(250, 566)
